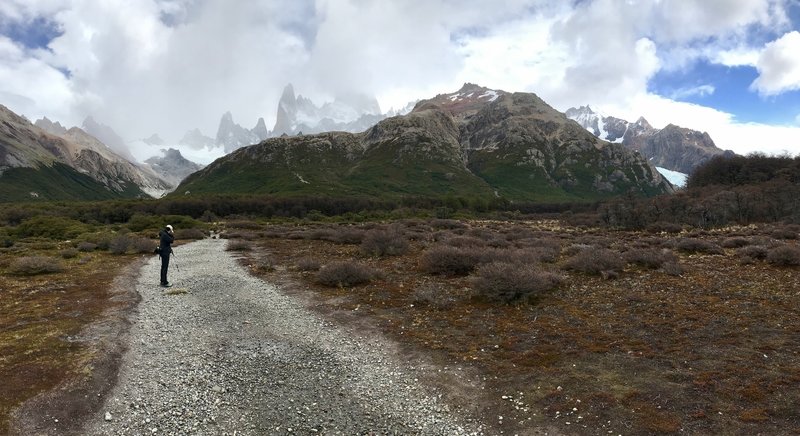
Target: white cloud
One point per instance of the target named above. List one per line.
(168, 66)
(779, 66)
(701, 91)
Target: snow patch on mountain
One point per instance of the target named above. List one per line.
(677, 179)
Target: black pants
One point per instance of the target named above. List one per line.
(164, 267)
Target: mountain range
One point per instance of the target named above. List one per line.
(476, 142)
(296, 115)
(55, 163)
(673, 148)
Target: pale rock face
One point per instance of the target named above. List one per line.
(172, 166)
(347, 113)
(232, 136)
(673, 148)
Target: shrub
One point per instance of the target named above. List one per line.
(139, 222)
(602, 261)
(784, 233)
(758, 252)
(443, 259)
(33, 265)
(192, 233)
(447, 224)
(248, 225)
(694, 245)
(86, 246)
(384, 242)
(308, 264)
(650, 257)
(784, 255)
(344, 274)
(52, 227)
(69, 253)
(673, 268)
(433, 296)
(574, 249)
(509, 282)
(348, 235)
(119, 244)
(464, 241)
(143, 245)
(209, 217)
(735, 242)
(664, 227)
(238, 245)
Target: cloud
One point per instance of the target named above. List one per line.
(779, 66)
(167, 66)
(699, 91)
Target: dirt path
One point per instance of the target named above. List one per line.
(233, 355)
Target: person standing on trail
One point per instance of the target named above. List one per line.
(166, 238)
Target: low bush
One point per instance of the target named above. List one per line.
(238, 245)
(143, 245)
(119, 244)
(447, 260)
(52, 227)
(384, 242)
(757, 252)
(574, 249)
(784, 255)
(510, 282)
(673, 268)
(601, 261)
(308, 264)
(735, 242)
(447, 224)
(664, 227)
(193, 233)
(348, 235)
(784, 233)
(34, 265)
(694, 245)
(86, 246)
(243, 224)
(650, 257)
(69, 253)
(344, 274)
(433, 296)
(139, 222)
(464, 241)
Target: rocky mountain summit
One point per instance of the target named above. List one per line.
(476, 142)
(232, 136)
(348, 113)
(674, 148)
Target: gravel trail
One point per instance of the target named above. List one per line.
(235, 356)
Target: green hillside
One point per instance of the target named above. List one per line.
(56, 182)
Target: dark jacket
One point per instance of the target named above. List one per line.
(165, 241)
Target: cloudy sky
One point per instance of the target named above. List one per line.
(729, 67)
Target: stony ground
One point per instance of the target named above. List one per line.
(233, 355)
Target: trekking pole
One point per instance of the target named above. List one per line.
(172, 253)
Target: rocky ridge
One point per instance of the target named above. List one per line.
(674, 148)
(474, 142)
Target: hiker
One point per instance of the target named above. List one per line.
(166, 238)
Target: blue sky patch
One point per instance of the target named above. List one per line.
(731, 92)
(31, 34)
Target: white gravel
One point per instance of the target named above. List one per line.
(235, 356)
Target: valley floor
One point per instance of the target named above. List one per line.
(223, 352)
